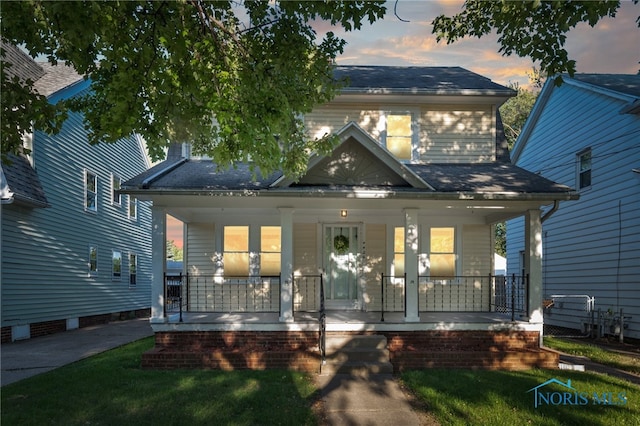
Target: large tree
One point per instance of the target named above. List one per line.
(535, 29)
(231, 77)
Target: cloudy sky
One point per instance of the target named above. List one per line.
(612, 46)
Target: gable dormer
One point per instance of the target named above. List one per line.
(421, 115)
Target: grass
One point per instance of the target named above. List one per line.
(465, 397)
(111, 388)
(595, 353)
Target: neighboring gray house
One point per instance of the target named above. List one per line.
(74, 251)
(586, 134)
(391, 234)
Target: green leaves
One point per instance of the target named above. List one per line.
(232, 79)
(535, 29)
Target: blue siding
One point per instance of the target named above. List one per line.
(45, 252)
(591, 246)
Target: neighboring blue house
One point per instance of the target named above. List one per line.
(586, 134)
(74, 251)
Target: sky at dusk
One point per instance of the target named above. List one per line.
(612, 46)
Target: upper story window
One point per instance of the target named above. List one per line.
(584, 169)
(235, 256)
(91, 191)
(399, 134)
(115, 186)
(270, 250)
(133, 207)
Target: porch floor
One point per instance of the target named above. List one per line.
(344, 321)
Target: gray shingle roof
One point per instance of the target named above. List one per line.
(56, 78)
(425, 80)
(623, 83)
(23, 181)
(21, 64)
(204, 176)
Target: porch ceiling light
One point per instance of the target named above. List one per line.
(343, 213)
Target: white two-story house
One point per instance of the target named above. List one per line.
(392, 233)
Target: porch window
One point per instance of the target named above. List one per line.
(133, 269)
(90, 191)
(115, 186)
(398, 252)
(584, 169)
(116, 265)
(270, 250)
(399, 135)
(93, 261)
(133, 207)
(442, 250)
(235, 256)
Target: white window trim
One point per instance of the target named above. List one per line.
(579, 172)
(85, 176)
(113, 273)
(132, 285)
(113, 189)
(90, 272)
(425, 255)
(132, 200)
(415, 128)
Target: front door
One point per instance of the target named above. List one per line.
(341, 244)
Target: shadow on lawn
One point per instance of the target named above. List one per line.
(501, 397)
(111, 388)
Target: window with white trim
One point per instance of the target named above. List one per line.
(115, 186)
(90, 191)
(270, 250)
(442, 252)
(235, 256)
(398, 251)
(399, 133)
(116, 265)
(93, 261)
(133, 207)
(584, 169)
(133, 269)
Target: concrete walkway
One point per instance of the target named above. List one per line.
(26, 358)
(371, 401)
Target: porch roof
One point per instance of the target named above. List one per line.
(484, 180)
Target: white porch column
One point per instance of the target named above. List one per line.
(411, 264)
(533, 264)
(286, 264)
(158, 253)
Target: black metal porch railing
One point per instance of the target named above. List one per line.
(209, 293)
(212, 293)
(393, 294)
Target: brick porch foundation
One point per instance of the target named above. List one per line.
(230, 350)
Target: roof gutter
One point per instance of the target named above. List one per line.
(547, 215)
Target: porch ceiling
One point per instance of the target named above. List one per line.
(200, 208)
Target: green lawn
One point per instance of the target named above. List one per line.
(595, 353)
(112, 389)
(466, 397)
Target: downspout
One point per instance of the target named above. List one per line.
(547, 215)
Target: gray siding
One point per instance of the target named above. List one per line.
(591, 246)
(45, 252)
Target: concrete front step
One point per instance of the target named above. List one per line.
(357, 355)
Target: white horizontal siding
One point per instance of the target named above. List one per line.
(446, 133)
